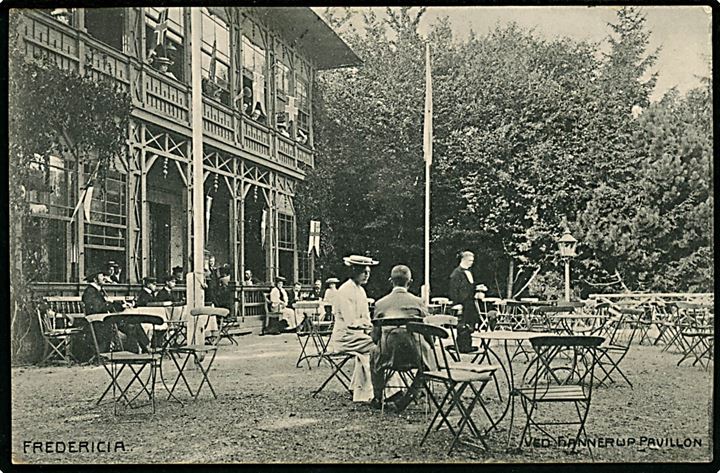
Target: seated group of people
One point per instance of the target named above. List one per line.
(377, 348)
(283, 302)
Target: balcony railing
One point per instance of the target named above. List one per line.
(164, 97)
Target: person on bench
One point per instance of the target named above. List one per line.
(167, 293)
(279, 303)
(96, 301)
(147, 293)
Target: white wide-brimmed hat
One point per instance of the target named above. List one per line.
(358, 260)
(332, 280)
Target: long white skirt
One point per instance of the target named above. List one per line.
(290, 317)
(360, 343)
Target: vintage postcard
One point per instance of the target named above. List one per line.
(257, 234)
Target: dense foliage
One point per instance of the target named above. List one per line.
(530, 135)
(52, 111)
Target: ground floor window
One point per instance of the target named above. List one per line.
(305, 275)
(46, 244)
(98, 259)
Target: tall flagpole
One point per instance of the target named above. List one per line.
(427, 152)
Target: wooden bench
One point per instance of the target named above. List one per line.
(72, 306)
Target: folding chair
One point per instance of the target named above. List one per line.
(405, 369)
(622, 326)
(57, 339)
(553, 378)
(230, 329)
(199, 351)
(449, 323)
(337, 362)
(443, 305)
(312, 333)
(456, 381)
(697, 334)
(115, 361)
(700, 346)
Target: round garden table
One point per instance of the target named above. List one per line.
(505, 336)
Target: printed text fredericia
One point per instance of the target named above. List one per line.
(73, 446)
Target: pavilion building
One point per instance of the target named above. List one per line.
(258, 67)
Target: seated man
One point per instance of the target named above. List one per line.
(166, 293)
(96, 301)
(316, 293)
(295, 295)
(147, 293)
(394, 346)
(224, 294)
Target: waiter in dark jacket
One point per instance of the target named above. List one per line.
(462, 291)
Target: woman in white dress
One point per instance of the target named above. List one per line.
(279, 302)
(351, 330)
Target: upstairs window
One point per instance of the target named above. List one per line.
(165, 41)
(215, 57)
(106, 25)
(253, 81)
(303, 100)
(286, 102)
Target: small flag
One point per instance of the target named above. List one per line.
(314, 238)
(213, 62)
(291, 109)
(428, 134)
(258, 91)
(87, 202)
(161, 28)
(208, 206)
(263, 228)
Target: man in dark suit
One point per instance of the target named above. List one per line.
(316, 293)
(294, 295)
(96, 301)
(462, 291)
(147, 293)
(166, 293)
(394, 346)
(224, 295)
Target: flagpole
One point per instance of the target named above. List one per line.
(427, 151)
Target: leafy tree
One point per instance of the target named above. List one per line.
(367, 187)
(657, 231)
(57, 112)
(530, 135)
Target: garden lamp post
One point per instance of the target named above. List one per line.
(566, 245)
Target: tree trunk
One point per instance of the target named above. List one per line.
(510, 279)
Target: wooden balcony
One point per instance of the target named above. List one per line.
(157, 97)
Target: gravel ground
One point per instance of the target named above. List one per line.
(265, 413)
